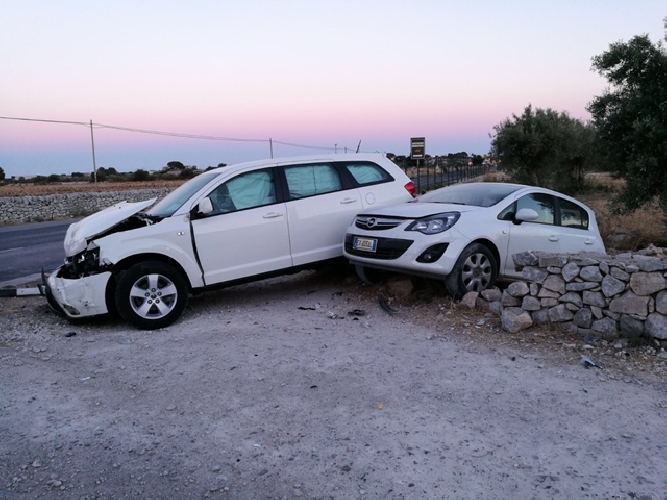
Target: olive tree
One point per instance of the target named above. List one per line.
(631, 119)
(547, 148)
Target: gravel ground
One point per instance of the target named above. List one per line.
(304, 386)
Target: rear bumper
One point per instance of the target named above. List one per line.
(76, 298)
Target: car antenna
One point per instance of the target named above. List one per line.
(358, 146)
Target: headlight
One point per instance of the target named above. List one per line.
(435, 223)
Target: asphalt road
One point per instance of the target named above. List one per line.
(26, 250)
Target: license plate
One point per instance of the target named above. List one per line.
(365, 244)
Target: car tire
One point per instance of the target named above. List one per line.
(151, 295)
(475, 270)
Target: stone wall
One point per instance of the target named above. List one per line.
(22, 209)
(591, 294)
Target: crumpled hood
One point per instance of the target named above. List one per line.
(79, 233)
(415, 210)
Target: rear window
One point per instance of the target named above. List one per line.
(367, 173)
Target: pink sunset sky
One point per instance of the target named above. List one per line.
(321, 74)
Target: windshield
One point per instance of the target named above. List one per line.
(479, 194)
(175, 200)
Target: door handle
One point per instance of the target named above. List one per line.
(347, 201)
(272, 215)
(553, 237)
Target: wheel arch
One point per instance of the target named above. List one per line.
(492, 248)
(128, 262)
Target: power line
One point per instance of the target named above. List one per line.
(174, 134)
(43, 120)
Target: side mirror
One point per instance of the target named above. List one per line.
(204, 207)
(525, 214)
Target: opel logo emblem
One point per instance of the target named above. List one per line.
(370, 222)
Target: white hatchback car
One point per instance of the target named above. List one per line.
(466, 234)
(226, 226)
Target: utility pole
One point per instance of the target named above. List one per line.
(271, 147)
(92, 142)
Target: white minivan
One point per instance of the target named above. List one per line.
(226, 226)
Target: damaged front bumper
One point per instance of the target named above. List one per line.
(77, 298)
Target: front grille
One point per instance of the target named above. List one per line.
(387, 248)
(373, 223)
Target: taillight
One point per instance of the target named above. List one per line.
(410, 186)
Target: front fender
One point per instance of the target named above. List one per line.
(170, 238)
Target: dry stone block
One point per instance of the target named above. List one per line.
(578, 287)
(530, 303)
(656, 326)
(549, 302)
(496, 307)
(631, 327)
(619, 273)
(560, 313)
(612, 286)
(540, 317)
(570, 271)
(643, 283)
(630, 303)
(583, 318)
(554, 283)
(508, 300)
(545, 292)
(594, 299)
(590, 273)
(605, 325)
(470, 299)
(492, 294)
(661, 302)
(525, 259)
(534, 274)
(552, 260)
(572, 297)
(648, 264)
(515, 319)
(518, 289)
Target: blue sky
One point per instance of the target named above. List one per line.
(322, 74)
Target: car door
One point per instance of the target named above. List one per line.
(540, 235)
(246, 234)
(319, 211)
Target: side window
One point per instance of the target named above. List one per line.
(572, 215)
(249, 190)
(542, 203)
(368, 173)
(308, 180)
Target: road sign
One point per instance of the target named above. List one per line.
(418, 148)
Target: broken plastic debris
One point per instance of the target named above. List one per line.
(588, 362)
(384, 304)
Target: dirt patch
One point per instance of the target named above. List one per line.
(305, 386)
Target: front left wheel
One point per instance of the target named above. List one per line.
(476, 269)
(151, 295)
